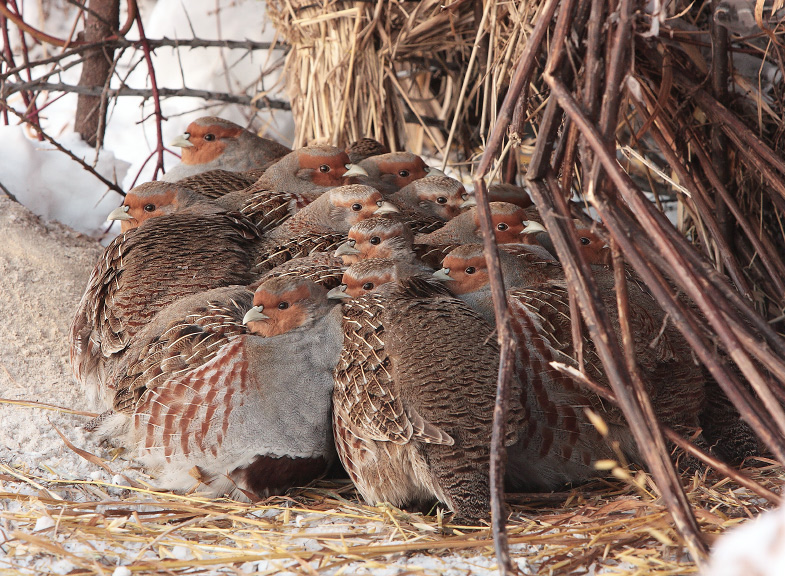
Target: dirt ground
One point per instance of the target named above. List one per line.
(44, 267)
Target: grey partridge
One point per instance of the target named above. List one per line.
(147, 268)
(540, 307)
(390, 172)
(211, 143)
(228, 391)
(414, 395)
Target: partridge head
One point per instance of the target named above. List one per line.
(336, 210)
(395, 170)
(310, 171)
(368, 275)
(377, 237)
(285, 303)
(509, 224)
(154, 199)
(437, 196)
(212, 143)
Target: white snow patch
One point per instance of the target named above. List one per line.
(757, 547)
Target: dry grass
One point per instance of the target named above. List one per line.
(96, 526)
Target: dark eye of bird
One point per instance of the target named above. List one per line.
(403, 173)
(502, 226)
(283, 305)
(375, 240)
(357, 207)
(324, 168)
(368, 286)
(441, 200)
(470, 270)
(149, 207)
(585, 241)
(209, 137)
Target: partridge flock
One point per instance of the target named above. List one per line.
(266, 312)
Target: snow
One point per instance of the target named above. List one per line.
(756, 547)
(56, 187)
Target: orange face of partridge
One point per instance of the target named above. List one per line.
(209, 142)
(401, 171)
(359, 282)
(144, 207)
(285, 310)
(443, 198)
(507, 226)
(356, 202)
(594, 248)
(468, 273)
(324, 166)
(376, 242)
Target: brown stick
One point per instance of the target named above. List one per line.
(521, 77)
(695, 288)
(685, 445)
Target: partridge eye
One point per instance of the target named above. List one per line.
(324, 168)
(441, 200)
(283, 305)
(502, 226)
(368, 286)
(375, 240)
(149, 207)
(403, 173)
(209, 137)
(585, 241)
(357, 207)
(470, 270)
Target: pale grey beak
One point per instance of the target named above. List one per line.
(443, 274)
(346, 249)
(434, 172)
(119, 213)
(470, 202)
(255, 314)
(354, 170)
(532, 227)
(182, 141)
(385, 208)
(338, 293)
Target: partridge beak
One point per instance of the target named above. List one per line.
(119, 213)
(346, 249)
(434, 172)
(182, 141)
(470, 202)
(443, 274)
(338, 293)
(255, 314)
(354, 170)
(532, 227)
(385, 208)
